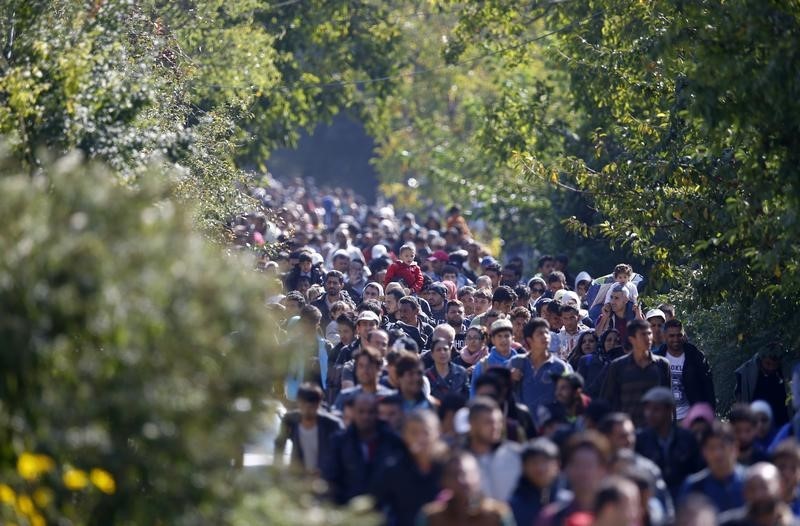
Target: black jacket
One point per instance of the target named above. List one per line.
(348, 472)
(402, 490)
(293, 276)
(327, 426)
(681, 460)
(698, 383)
(527, 501)
(322, 305)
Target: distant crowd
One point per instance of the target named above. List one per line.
(452, 388)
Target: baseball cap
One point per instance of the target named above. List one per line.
(659, 395)
(368, 315)
(439, 255)
(501, 325)
(540, 447)
(655, 313)
(567, 297)
(488, 261)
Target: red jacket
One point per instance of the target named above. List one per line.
(411, 274)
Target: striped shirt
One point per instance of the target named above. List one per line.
(626, 383)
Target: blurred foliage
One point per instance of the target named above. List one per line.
(450, 131)
(692, 112)
(209, 86)
(134, 355)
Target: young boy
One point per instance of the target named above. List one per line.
(406, 269)
(536, 485)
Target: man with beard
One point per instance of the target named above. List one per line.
(455, 317)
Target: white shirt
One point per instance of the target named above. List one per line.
(678, 391)
(309, 443)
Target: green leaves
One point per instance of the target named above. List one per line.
(692, 113)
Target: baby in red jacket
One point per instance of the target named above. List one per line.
(406, 269)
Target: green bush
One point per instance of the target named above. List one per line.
(127, 343)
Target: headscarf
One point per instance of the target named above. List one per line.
(451, 290)
(377, 286)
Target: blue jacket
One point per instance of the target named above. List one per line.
(724, 495)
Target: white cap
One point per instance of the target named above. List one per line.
(655, 313)
(378, 251)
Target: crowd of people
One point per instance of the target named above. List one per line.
(452, 388)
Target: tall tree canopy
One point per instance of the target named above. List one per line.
(691, 110)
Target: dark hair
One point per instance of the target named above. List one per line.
(544, 259)
(553, 307)
(520, 312)
(466, 289)
(347, 318)
(451, 402)
(623, 268)
(577, 351)
(786, 448)
(487, 379)
(311, 393)
(310, 314)
(503, 293)
(449, 269)
(371, 305)
(481, 404)
(568, 308)
(410, 300)
(742, 413)
(407, 362)
(453, 303)
(494, 267)
(372, 354)
(636, 326)
(398, 294)
(672, 323)
(334, 274)
(605, 335)
(481, 330)
(532, 325)
(591, 440)
(522, 292)
(395, 400)
(296, 296)
(541, 281)
(556, 275)
(720, 430)
(304, 256)
(609, 494)
(612, 420)
(482, 293)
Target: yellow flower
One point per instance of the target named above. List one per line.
(7, 494)
(37, 520)
(103, 481)
(25, 504)
(43, 497)
(75, 479)
(31, 467)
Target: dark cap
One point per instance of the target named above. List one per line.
(438, 287)
(540, 447)
(659, 395)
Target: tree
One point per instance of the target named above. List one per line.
(134, 356)
(692, 111)
(209, 86)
